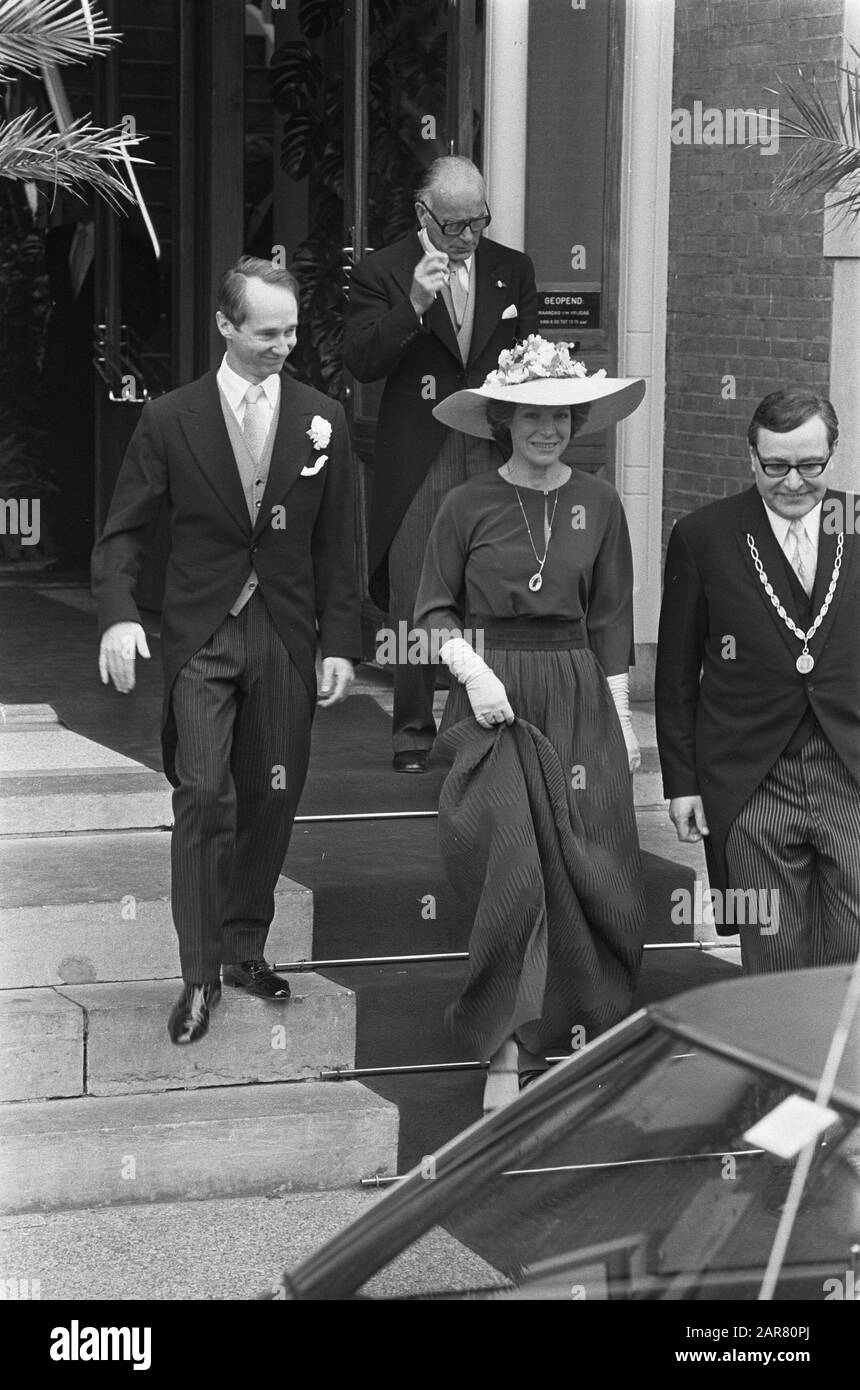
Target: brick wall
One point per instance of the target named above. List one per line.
(749, 291)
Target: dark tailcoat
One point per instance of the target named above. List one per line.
(727, 708)
(304, 556)
(383, 337)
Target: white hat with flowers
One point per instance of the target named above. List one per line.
(538, 372)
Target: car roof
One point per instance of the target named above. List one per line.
(783, 1024)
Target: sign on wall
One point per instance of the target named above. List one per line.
(568, 307)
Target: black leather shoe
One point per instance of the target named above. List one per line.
(256, 977)
(413, 760)
(189, 1017)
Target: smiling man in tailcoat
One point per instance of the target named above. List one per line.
(256, 472)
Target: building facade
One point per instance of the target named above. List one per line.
(630, 147)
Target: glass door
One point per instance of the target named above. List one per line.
(369, 93)
(130, 349)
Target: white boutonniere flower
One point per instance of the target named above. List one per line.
(320, 432)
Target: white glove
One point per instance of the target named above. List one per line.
(487, 695)
(620, 688)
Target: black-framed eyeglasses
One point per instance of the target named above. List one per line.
(810, 468)
(475, 224)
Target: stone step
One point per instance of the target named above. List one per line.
(108, 1039)
(249, 1040)
(78, 909)
(23, 716)
(55, 781)
(62, 802)
(648, 789)
(134, 799)
(54, 748)
(41, 1045)
(219, 1142)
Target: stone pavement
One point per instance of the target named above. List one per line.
(232, 1248)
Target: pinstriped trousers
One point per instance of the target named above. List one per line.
(243, 721)
(460, 458)
(799, 836)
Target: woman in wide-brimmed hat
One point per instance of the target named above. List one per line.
(532, 562)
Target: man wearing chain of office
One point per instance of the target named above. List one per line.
(758, 689)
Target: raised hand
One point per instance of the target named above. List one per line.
(428, 277)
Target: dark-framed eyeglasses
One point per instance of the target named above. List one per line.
(810, 468)
(475, 224)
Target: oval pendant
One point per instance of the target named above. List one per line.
(805, 663)
(535, 583)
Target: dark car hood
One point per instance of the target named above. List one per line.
(782, 1023)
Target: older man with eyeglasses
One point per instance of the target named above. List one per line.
(758, 694)
(430, 314)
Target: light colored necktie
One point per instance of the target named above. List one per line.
(801, 555)
(255, 425)
(459, 286)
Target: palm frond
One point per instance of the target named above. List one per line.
(33, 32)
(83, 156)
(827, 159)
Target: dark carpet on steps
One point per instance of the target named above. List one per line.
(368, 880)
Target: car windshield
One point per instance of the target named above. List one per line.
(637, 1182)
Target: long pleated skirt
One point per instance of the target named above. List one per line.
(555, 884)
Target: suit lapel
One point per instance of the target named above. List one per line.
(438, 320)
(206, 435)
(492, 297)
(291, 452)
(755, 523)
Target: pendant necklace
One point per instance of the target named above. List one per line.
(537, 578)
(805, 661)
